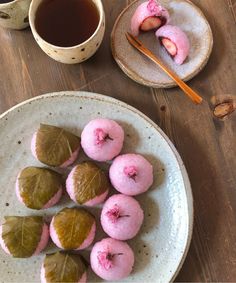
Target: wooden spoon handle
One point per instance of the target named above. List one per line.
(186, 89)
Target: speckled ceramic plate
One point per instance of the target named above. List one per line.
(139, 68)
(162, 244)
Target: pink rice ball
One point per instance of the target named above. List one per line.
(66, 163)
(175, 42)
(149, 15)
(111, 259)
(121, 217)
(55, 238)
(52, 269)
(51, 202)
(83, 279)
(78, 184)
(102, 139)
(131, 174)
(41, 245)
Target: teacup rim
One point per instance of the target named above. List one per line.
(32, 25)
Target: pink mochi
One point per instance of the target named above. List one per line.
(121, 217)
(83, 279)
(177, 37)
(102, 139)
(145, 11)
(67, 163)
(111, 259)
(71, 191)
(41, 245)
(87, 242)
(55, 199)
(131, 174)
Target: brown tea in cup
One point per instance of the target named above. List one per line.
(66, 23)
(5, 1)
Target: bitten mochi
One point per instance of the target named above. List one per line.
(175, 42)
(149, 15)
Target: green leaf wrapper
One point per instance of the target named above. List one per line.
(89, 182)
(63, 267)
(22, 235)
(72, 226)
(54, 145)
(38, 185)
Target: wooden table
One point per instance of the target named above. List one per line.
(207, 144)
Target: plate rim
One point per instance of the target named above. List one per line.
(187, 185)
(136, 77)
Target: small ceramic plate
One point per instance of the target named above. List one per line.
(162, 244)
(184, 14)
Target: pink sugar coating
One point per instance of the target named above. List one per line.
(179, 38)
(41, 245)
(127, 219)
(67, 163)
(87, 242)
(83, 279)
(102, 151)
(125, 184)
(2, 243)
(49, 204)
(44, 240)
(71, 191)
(145, 10)
(97, 199)
(121, 264)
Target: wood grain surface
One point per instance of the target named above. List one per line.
(206, 143)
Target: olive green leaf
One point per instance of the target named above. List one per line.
(38, 185)
(73, 226)
(63, 267)
(89, 182)
(21, 235)
(54, 145)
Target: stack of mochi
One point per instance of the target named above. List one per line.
(151, 16)
(74, 229)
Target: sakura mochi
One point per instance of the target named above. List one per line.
(87, 184)
(150, 15)
(121, 217)
(111, 259)
(38, 188)
(131, 174)
(63, 267)
(73, 229)
(102, 139)
(175, 42)
(23, 237)
(55, 146)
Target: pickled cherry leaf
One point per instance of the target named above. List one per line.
(63, 267)
(89, 182)
(38, 185)
(72, 226)
(22, 235)
(55, 145)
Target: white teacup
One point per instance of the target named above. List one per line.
(14, 14)
(74, 54)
